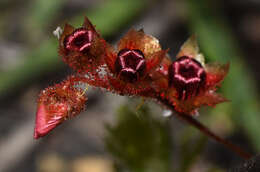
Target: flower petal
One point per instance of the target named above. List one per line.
(110, 58)
(88, 25)
(155, 59)
(215, 73)
(190, 48)
(68, 29)
(142, 88)
(190, 106)
(210, 98)
(159, 76)
(43, 123)
(139, 40)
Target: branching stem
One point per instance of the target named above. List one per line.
(190, 120)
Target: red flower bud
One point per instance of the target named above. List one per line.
(187, 76)
(83, 49)
(56, 104)
(130, 64)
(80, 40)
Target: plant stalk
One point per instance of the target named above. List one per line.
(190, 120)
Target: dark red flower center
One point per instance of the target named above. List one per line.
(130, 64)
(80, 40)
(188, 76)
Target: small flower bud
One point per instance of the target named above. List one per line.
(80, 40)
(56, 104)
(187, 76)
(130, 64)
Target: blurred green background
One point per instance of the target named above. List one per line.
(112, 135)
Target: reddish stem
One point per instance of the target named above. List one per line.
(190, 120)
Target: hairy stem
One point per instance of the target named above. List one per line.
(190, 120)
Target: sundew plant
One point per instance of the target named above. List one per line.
(136, 66)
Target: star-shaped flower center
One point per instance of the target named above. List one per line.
(80, 40)
(130, 64)
(188, 76)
